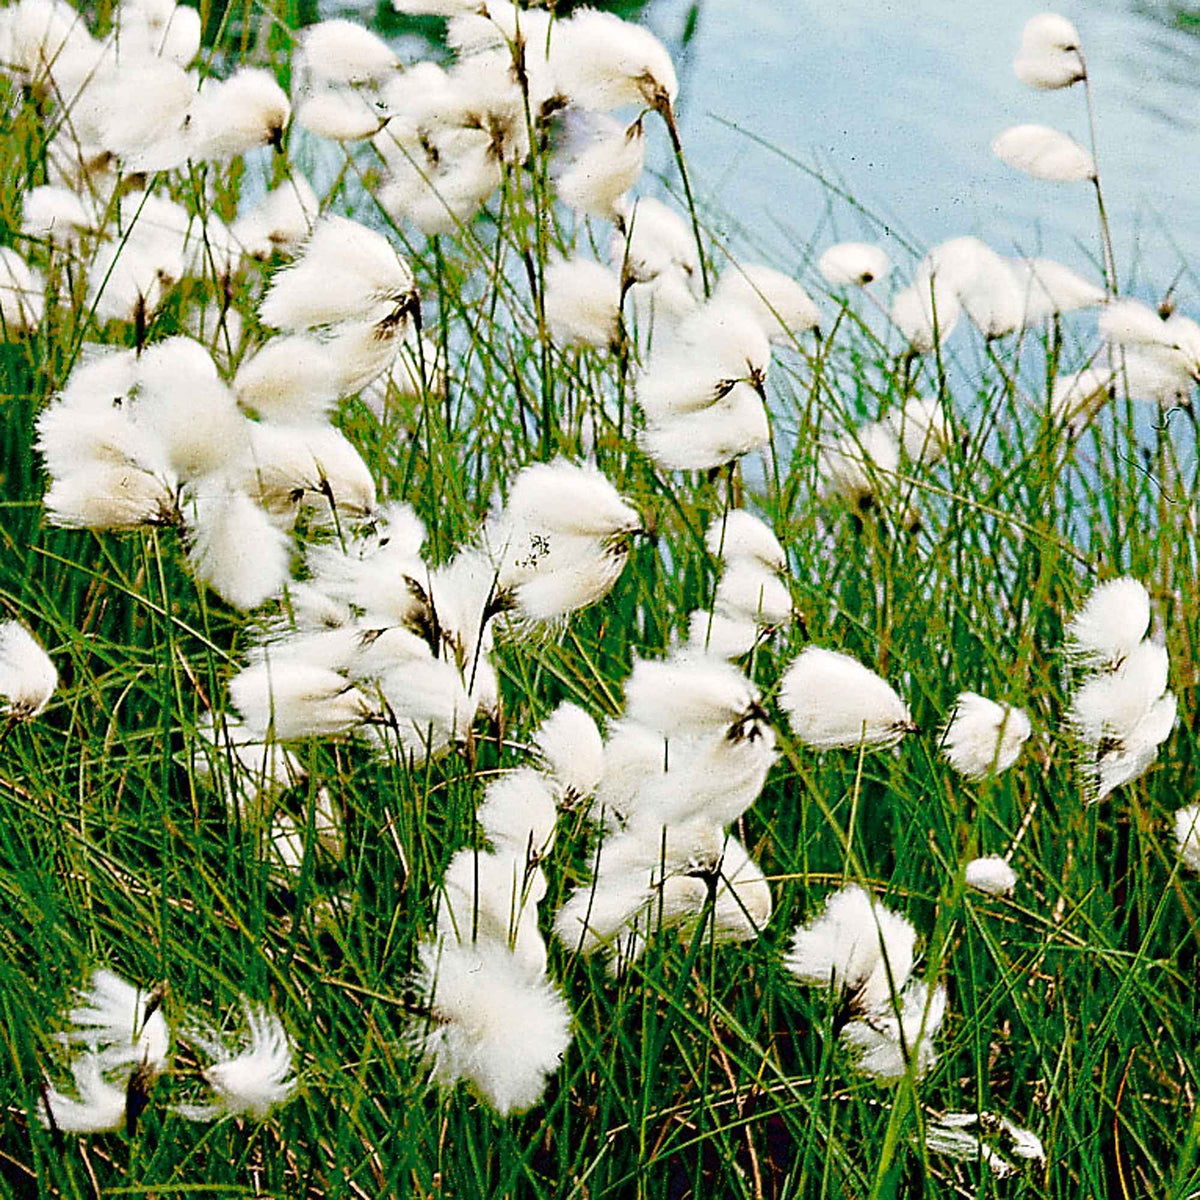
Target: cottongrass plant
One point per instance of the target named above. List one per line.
(491, 611)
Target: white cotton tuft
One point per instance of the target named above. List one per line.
(289, 700)
(234, 547)
(857, 947)
(861, 465)
(690, 695)
(111, 497)
(293, 378)
(341, 51)
(778, 303)
(853, 264)
(570, 744)
(653, 240)
(518, 813)
(430, 704)
(246, 769)
(490, 1023)
(1111, 623)
(605, 162)
(1050, 56)
(281, 220)
(341, 115)
(1044, 153)
(344, 273)
(992, 875)
(252, 1080)
(1121, 717)
(735, 425)
(720, 635)
(241, 113)
(98, 1107)
(748, 591)
(1187, 836)
(833, 702)
(983, 736)
(575, 499)
(122, 1021)
(922, 429)
(1047, 287)
(603, 62)
(57, 215)
(925, 312)
(887, 1046)
(1127, 322)
(583, 303)
(22, 294)
(27, 676)
(739, 536)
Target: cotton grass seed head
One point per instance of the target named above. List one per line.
(834, 702)
(571, 747)
(1051, 55)
(983, 736)
(1044, 153)
(1110, 625)
(991, 874)
(1187, 836)
(97, 1107)
(886, 1046)
(853, 264)
(27, 675)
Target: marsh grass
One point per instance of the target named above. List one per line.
(703, 1072)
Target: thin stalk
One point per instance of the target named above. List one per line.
(668, 116)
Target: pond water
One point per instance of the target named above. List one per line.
(899, 100)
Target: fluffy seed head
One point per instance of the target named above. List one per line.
(886, 1047)
(983, 736)
(853, 264)
(27, 676)
(569, 742)
(1111, 623)
(992, 875)
(1044, 153)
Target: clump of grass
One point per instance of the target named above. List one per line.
(447, 634)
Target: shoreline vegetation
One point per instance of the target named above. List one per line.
(500, 696)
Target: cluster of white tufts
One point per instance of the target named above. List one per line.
(1121, 711)
(983, 737)
(123, 1045)
(687, 758)
(863, 953)
(490, 1014)
(960, 1135)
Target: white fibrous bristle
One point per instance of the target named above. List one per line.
(1077, 396)
(57, 215)
(492, 899)
(290, 842)
(251, 1079)
(1047, 287)
(922, 430)
(688, 695)
(490, 1023)
(289, 467)
(436, 8)
(142, 112)
(111, 497)
(129, 281)
(781, 306)
(362, 351)
(180, 399)
(983, 283)
(122, 1021)
(1121, 717)
(571, 747)
(735, 425)
(749, 591)
(1187, 836)
(289, 700)
(925, 312)
(742, 905)
(603, 62)
(341, 51)
(983, 737)
(583, 303)
(854, 264)
(992, 875)
(72, 437)
(571, 500)
(1112, 622)
(22, 294)
(341, 115)
(887, 1047)
(718, 346)
(1050, 56)
(1131, 323)
(98, 1106)
(833, 701)
(417, 368)
(375, 572)
(861, 465)
(233, 545)
(605, 161)
(518, 814)
(280, 220)
(738, 536)
(292, 378)
(569, 580)
(722, 636)
(461, 595)
(1044, 153)
(27, 676)
(653, 240)
(343, 274)
(247, 769)
(170, 31)
(232, 116)
(856, 946)
(430, 705)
